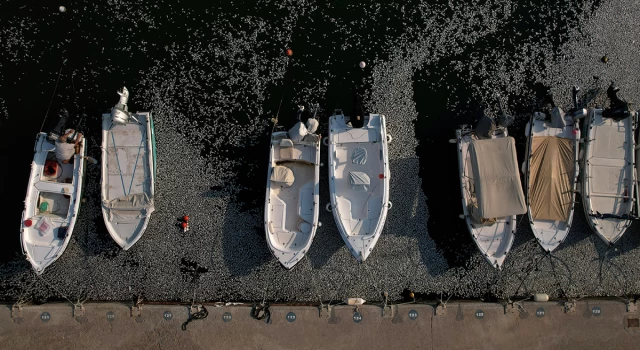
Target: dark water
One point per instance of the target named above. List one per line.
(102, 50)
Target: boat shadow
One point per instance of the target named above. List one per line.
(244, 247)
(438, 167)
(408, 217)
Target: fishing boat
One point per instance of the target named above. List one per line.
(551, 171)
(492, 193)
(359, 179)
(128, 172)
(52, 203)
(291, 206)
(609, 179)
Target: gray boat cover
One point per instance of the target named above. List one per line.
(359, 155)
(496, 179)
(137, 205)
(359, 181)
(298, 132)
(550, 176)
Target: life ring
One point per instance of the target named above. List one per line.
(389, 205)
(389, 138)
(325, 141)
(328, 207)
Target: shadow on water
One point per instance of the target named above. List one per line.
(243, 240)
(435, 126)
(408, 215)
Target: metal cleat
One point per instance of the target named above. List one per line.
(16, 314)
(195, 309)
(136, 313)
(325, 310)
(631, 306)
(387, 311)
(510, 308)
(570, 307)
(440, 309)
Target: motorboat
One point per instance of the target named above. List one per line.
(291, 205)
(359, 179)
(492, 194)
(52, 203)
(609, 178)
(128, 172)
(551, 171)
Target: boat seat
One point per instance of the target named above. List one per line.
(299, 151)
(286, 149)
(278, 214)
(306, 202)
(282, 176)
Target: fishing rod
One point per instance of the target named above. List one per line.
(52, 95)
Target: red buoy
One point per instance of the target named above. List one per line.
(289, 52)
(185, 218)
(183, 225)
(381, 176)
(28, 223)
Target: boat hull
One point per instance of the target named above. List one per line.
(292, 208)
(359, 203)
(62, 193)
(551, 233)
(493, 241)
(128, 177)
(609, 179)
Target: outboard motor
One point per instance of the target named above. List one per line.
(504, 119)
(618, 108)
(120, 113)
(577, 113)
(59, 129)
(484, 127)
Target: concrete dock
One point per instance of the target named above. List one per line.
(587, 324)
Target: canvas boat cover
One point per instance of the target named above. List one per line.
(312, 125)
(298, 132)
(497, 182)
(359, 155)
(283, 175)
(359, 181)
(550, 177)
(137, 205)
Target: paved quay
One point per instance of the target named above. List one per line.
(592, 324)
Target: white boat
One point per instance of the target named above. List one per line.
(291, 206)
(492, 193)
(551, 171)
(52, 204)
(128, 172)
(609, 178)
(359, 180)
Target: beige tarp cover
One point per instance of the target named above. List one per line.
(133, 206)
(551, 177)
(283, 175)
(496, 179)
